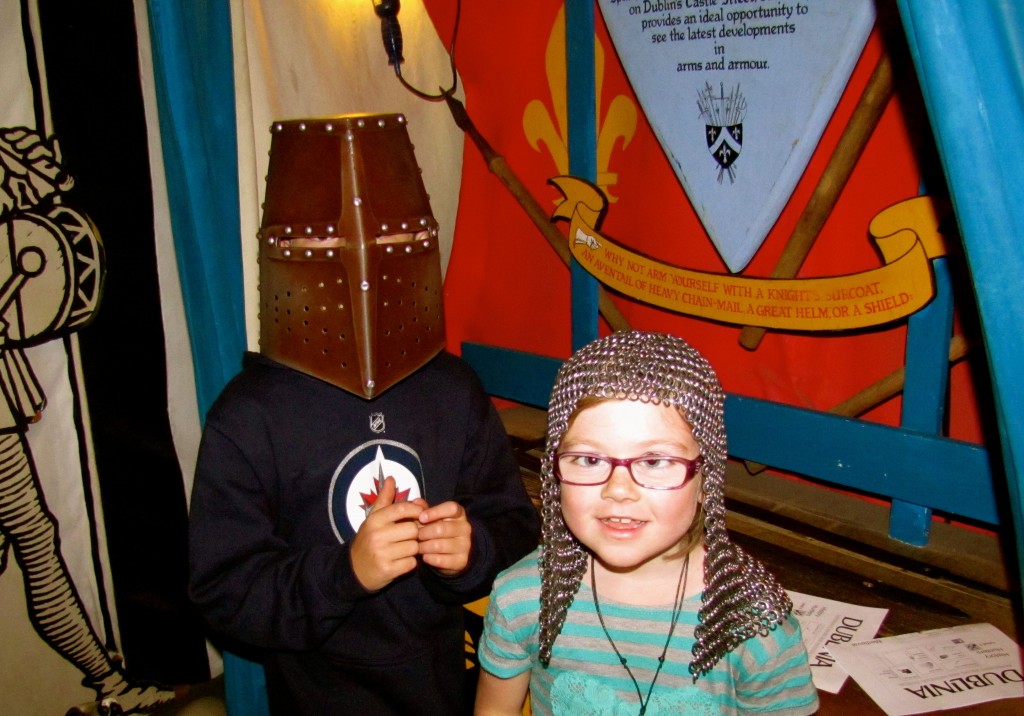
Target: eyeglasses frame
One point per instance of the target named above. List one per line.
(694, 464)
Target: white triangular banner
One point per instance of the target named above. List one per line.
(738, 93)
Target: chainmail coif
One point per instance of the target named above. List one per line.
(741, 598)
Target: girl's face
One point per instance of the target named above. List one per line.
(628, 527)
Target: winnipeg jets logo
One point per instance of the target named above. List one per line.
(360, 477)
(369, 499)
(723, 126)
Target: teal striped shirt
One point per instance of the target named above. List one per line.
(762, 675)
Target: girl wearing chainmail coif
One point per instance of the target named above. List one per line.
(637, 601)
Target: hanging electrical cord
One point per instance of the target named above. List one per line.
(391, 34)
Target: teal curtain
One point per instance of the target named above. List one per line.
(192, 60)
(969, 57)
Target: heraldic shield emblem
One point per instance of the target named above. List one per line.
(724, 124)
(765, 79)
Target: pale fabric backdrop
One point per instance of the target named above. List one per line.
(325, 57)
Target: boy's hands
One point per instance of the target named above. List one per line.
(394, 533)
(445, 537)
(386, 545)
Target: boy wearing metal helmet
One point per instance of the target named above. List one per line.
(355, 486)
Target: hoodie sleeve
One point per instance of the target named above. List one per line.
(248, 582)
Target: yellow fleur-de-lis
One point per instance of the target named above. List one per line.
(619, 122)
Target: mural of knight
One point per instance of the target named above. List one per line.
(52, 277)
(62, 650)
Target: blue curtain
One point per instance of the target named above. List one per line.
(969, 57)
(192, 62)
(192, 59)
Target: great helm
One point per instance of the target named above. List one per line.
(350, 268)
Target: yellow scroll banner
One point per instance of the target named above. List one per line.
(907, 235)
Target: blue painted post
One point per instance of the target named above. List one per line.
(924, 393)
(582, 119)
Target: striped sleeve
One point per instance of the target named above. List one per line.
(774, 675)
(509, 646)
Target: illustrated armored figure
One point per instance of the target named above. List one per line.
(51, 276)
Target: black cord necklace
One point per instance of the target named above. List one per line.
(676, 609)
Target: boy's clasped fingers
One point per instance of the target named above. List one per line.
(445, 537)
(395, 534)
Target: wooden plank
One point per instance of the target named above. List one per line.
(980, 605)
(966, 554)
(936, 472)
